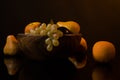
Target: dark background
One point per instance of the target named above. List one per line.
(99, 19)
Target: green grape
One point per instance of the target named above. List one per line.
(54, 28)
(37, 30)
(49, 33)
(48, 41)
(43, 26)
(50, 30)
(48, 27)
(60, 33)
(49, 47)
(32, 31)
(43, 32)
(55, 42)
(56, 36)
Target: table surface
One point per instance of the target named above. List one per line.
(63, 69)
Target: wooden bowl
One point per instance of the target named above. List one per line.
(34, 47)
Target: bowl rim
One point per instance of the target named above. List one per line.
(28, 34)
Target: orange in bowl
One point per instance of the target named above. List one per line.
(103, 51)
(30, 26)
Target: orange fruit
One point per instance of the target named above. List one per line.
(103, 51)
(70, 25)
(11, 46)
(30, 26)
(83, 42)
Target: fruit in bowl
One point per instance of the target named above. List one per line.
(44, 41)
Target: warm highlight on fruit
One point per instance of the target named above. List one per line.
(31, 26)
(83, 42)
(11, 46)
(103, 51)
(74, 27)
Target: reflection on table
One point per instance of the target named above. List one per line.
(102, 72)
(59, 69)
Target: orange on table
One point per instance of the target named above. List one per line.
(70, 25)
(11, 46)
(31, 25)
(103, 51)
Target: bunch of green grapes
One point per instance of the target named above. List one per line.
(50, 30)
